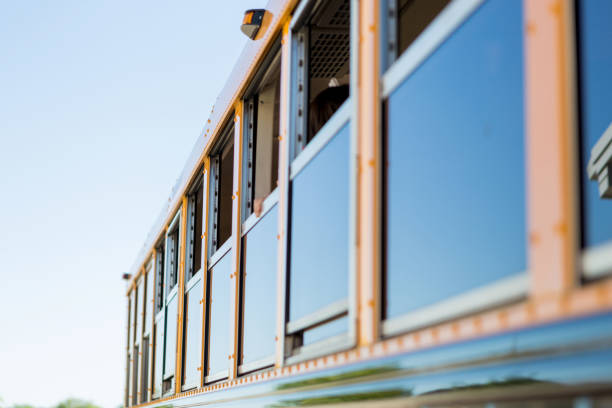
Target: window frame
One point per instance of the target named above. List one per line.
(497, 293)
(250, 219)
(159, 318)
(200, 182)
(249, 133)
(299, 154)
(171, 294)
(149, 315)
(214, 253)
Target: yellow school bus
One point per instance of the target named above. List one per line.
(392, 203)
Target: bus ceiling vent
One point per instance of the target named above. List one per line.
(252, 21)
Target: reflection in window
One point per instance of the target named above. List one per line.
(455, 171)
(219, 315)
(144, 372)
(413, 16)
(325, 331)
(193, 335)
(261, 153)
(259, 294)
(159, 358)
(170, 349)
(135, 376)
(319, 230)
(595, 55)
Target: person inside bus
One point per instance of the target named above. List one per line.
(324, 105)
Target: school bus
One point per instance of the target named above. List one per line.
(392, 203)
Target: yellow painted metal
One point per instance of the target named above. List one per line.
(369, 175)
(236, 240)
(551, 134)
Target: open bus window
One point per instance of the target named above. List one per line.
(262, 111)
(159, 276)
(172, 258)
(221, 190)
(455, 212)
(194, 229)
(413, 16)
(323, 62)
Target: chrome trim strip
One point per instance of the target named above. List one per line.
(503, 291)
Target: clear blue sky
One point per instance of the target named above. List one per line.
(100, 104)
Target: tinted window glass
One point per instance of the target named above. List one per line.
(325, 331)
(144, 373)
(170, 354)
(595, 37)
(135, 376)
(319, 229)
(259, 312)
(456, 178)
(193, 334)
(159, 358)
(219, 303)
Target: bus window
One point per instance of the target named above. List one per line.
(221, 193)
(320, 183)
(220, 258)
(410, 18)
(455, 212)
(194, 230)
(160, 275)
(318, 282)
(192, 329)
(192, 335)
(262, 111)
(323, 62)
(171, 303)
(144, 370)
(170, 346)
(135, 376)
(259, 267)
(595, 63)
(218, 297)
